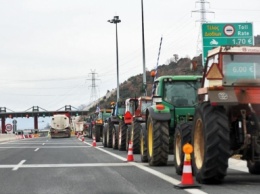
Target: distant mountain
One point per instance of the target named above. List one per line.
(133, 87)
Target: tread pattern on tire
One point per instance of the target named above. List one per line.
(143, 143)
(184, 132)
(109, 134)
(122, 133)
(136, 127)
(216, 143)
(160, 142)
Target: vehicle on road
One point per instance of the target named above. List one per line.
(60, 126)
(173, 103)
(226, 120)
(98, 126)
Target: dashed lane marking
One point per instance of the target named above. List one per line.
(36, 149)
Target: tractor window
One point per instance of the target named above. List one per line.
(130, 106)
(240, 67)
(181, 93)
(145, 105)
(155, 89)
(121, 111)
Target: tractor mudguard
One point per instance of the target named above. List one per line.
(159, 115)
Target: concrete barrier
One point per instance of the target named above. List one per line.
(7, 137)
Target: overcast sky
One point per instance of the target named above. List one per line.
(49, 48)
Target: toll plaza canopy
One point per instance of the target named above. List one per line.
(36, 112)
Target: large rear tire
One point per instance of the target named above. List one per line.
(127, 138)
(143, 145)
(122, 128)
(115, 137)
(136, 129)
(181, 137)
(104, 138)
(97, 132)
(109, 134)
(211, 142)
(158, 142)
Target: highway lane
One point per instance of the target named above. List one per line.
(67, 165)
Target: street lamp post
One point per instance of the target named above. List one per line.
(116, 20)
(143, 45)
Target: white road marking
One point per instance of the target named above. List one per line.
(43, 144)
(40, 143)
(36, 149)
(154, 172)
(18, 165)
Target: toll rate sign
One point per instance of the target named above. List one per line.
(221, 34)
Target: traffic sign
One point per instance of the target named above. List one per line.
(8, 128)
(221, 34)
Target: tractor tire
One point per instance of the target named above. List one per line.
(122, 128)
(136, 129)
(253, 167)
(104, 138)
(109, 134)
(143, 145)
(90, 131)
(158, 142)
(211, 143)
(97, 133)
(181, 137)
(115, 137)
(128, 138)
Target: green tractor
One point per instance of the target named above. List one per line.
(173, 107)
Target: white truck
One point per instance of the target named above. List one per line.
(79, 128)
(60, 126)
(77, 125)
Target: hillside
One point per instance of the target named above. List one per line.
(133, 86)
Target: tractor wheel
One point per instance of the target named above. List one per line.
(136, 128)
(109, 134)
(128, 138)
(158, 142)
(90, 130)
(181, 137)
(253, 167)
(115, 137)
(97, 133)
(211, 143)
(122, 128)
(143, 144)
(104, 138)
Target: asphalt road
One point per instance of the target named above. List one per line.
(68, 165)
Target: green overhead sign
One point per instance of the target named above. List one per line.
(221, 34)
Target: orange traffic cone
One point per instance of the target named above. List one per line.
(187, 179)
(94, 144)
(130, 156)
